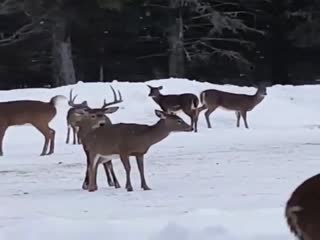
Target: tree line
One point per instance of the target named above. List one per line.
(48, 43)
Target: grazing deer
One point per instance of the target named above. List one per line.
(91, 119)
(36, 113)
(72, 118)
(187, 102)
(302, 210)
(212, 99)
(128, 139)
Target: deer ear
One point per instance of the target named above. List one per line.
(84, 103)
(160, 114)
(110, 109)
(160, 87)
(149, 86)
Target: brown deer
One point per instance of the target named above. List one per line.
(128, 139)
(36, 113)
(212, 99)
(186, 102)
(302, 210)
(72, 118)
(91, 119)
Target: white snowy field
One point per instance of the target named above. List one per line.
(224, 183)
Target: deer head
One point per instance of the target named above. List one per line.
(173, 123)
(154, 91)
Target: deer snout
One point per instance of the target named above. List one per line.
(102, 124)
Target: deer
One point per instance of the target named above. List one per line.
(72, 118)
(36, 113)
(123, 140)
(302, 210)
(90, 119)
(211, 99)
(186, 102)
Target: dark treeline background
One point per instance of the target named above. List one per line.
(48, 43)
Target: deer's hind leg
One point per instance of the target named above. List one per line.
(47, 133)
(208, 113)
(3, 130)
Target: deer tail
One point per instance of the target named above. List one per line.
(202, 101)
(292, 220)
(54, 100)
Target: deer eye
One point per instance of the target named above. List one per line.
(179, 121)
(93, 116)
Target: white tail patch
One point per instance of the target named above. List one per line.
(104, 158)
(293, 219)
(203, 98)
(193, 106)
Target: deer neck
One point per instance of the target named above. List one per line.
(158, 132)
(157, 99)
(258, 98)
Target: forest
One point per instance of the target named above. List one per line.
(50, 43)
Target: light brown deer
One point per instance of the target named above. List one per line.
(72, 118)
(92, 119)
(186, 102)
(302, 210)
(212, 99)
(128, 139)
(36, 113)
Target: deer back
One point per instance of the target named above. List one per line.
(303, 210)
(26, 112)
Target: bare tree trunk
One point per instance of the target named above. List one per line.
(176, 42)
(63, 67)
(101, 73)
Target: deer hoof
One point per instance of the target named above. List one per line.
(92, 189)
(146, 188)
(129, 189)
(117, 185)
(85, 186)
(111, 184)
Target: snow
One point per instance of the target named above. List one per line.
(224, 183)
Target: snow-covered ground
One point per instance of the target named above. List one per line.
(222, 183)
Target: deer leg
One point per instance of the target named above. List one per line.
(106, 169)
(93, 167)
(74, 130)
(68, 134)
(52, 141)
(244, 117)
(127, 167)
(144, 185)
(207, 115)
(238, 118)
(115, 180)
(46, 132)
(2, 133)
(86, 179)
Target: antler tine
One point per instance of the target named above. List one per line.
(71, 99)
(115, 99)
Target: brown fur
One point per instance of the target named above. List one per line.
(36, 113)
(302, 210)
(211, 99)
(186, 102)
(128, 139)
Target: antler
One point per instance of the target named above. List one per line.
(71, 99)
(115, 100)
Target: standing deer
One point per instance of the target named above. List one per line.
(212, 99)
(302, 210)
(36, 113)
(186, 102)
(72, 118)
(92, 119)
(128, 139)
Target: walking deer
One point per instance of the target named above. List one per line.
(186, 102)
(36, 113)
(212, 99)
(128, 139)
(92, 119)
(74, 113)
(302, 210)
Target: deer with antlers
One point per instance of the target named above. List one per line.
(212, 99)
(92, 118)
(123, 140)
(302, 210)
(186, 102)
(37, 113)
(72, 118)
